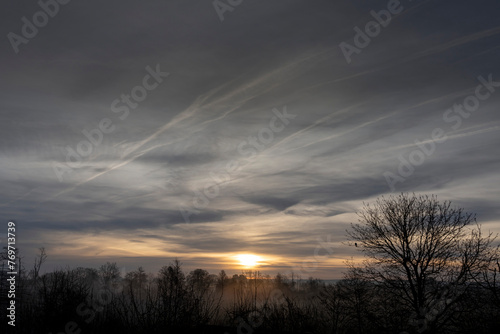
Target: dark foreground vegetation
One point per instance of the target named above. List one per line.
(429, 269)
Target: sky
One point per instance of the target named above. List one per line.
(140, 132)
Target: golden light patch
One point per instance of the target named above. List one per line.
(248, 260)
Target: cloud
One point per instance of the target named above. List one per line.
(352, 123)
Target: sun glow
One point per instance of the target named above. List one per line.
(248, 260)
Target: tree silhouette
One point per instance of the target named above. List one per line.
(424, 250)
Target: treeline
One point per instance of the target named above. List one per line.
(86, 300)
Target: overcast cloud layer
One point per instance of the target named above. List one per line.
(179, 174)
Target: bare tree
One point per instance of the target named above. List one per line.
(39, 260)
(222, 281)
(109, 273)
(334, 303)
(424, 250)
(172, 291)
(203, 299)
(490, 278)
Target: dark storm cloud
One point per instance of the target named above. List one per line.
(351, 122)
(279, 204)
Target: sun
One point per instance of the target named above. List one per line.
(248, 260)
